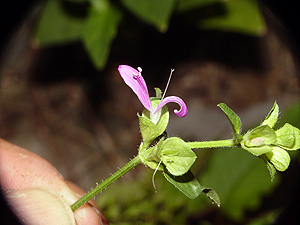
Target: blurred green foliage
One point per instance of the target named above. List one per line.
(237, 16)
(155, 12)
(56, 26)
(96, 22)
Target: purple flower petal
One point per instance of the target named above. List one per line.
(181, 112)
(136, 82)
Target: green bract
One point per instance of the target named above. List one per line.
(160, 118)
(149, 156)
(258, 140)
(279, 158)
(149, 129)
(177, 156)
(288, 137)
(172, 154)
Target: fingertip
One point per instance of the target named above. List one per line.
(40, 206)
(88, 213)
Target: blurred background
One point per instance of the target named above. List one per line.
(61, 97)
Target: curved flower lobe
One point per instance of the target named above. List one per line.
(181, 112)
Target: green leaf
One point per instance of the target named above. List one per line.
(185, 5)
(177, 156)
(56, 26)
(212, 195)
(100, 29)
(285, 136)
(236, 16)
(233, 118)
(154, 12)
(148, 129)
(239, 179)
(186, 183)
(272, 117)
(279, 158)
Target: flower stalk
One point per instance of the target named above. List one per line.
(123, 170)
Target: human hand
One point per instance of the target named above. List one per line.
(38, 193)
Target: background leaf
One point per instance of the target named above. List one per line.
(56, 26)
(154, 12)
(100, 29)
(96, 22)
(185, 5)
(236, 16)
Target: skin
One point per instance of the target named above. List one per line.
(38, 193)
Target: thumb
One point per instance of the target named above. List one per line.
(40, 206)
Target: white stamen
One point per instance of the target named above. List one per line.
(172, 70)
(154, 175)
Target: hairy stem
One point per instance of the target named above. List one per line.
(212, 144)
(130, 165)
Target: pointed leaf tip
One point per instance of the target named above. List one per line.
(233, 118)
(272, 116)
(212, 195)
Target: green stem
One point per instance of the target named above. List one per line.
(212, 144)
(132, 163)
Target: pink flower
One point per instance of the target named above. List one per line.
(134, 79)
